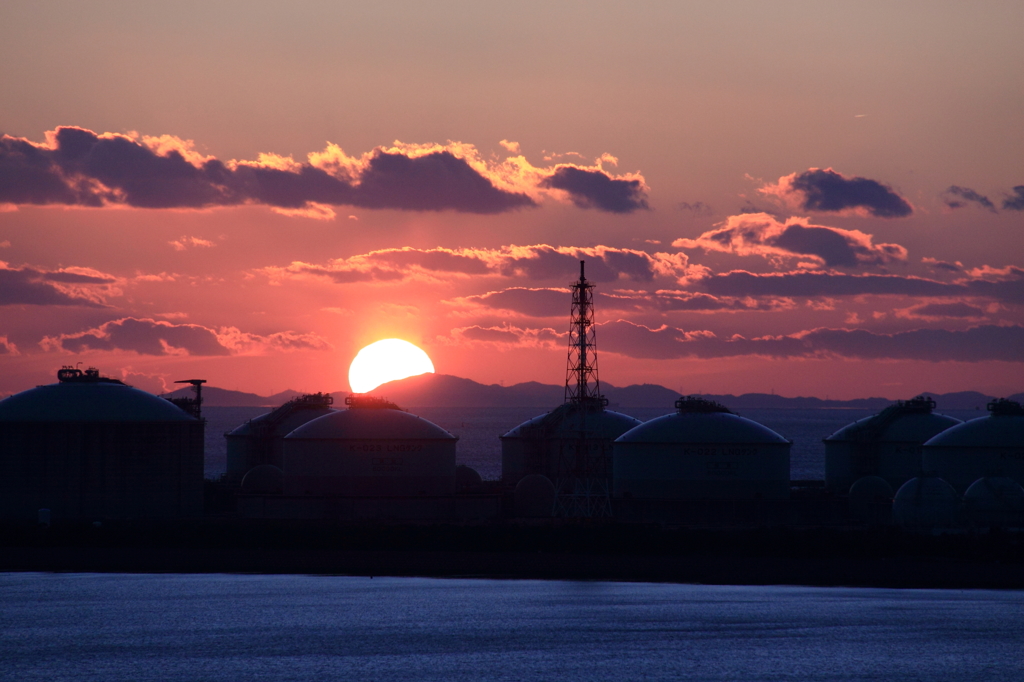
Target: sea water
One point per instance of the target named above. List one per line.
(241, 627)
(478, 429)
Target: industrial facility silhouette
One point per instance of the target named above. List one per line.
(90, 448)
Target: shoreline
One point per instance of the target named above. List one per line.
(882, 558)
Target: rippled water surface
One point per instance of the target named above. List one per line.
(220, 627)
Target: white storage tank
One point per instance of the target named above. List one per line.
(987, 446)
(702, 451)
(538, 445)
(887, 444)
(372, 449)
(92, 448)
(260, 441)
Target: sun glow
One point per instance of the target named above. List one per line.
(386, 360)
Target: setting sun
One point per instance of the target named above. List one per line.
(386, 360)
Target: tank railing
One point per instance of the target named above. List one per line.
(1005, 408)
(371, 402)
(694, 403)
(872, 428)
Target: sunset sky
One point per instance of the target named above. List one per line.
(800, 197)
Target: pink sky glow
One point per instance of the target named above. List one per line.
(810, 200)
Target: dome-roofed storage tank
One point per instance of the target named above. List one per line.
(702, 451)
(265, 479)
(926, 503)
(91, 448)
(987, 446)
(539, 445)
(572, 444)
(534, 497)
(261, 439)
(887, 444)
(994, 503)
(372, 449)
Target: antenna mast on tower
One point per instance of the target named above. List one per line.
(581, 482)
(581, 365)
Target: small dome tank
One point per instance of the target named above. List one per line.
(265, 479)
(534, 497)
(871, 499)
(467, 480)
(703, 450)
(987, 446)
(536, 446)
(261, 439)
(887, 444)
(372, 449)
(995, 502)
(925, 504)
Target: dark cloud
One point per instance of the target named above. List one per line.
(145, 337)
(977, 344)
(827, 190)
(957, 310)
(1016, 202)
(943, 265)
(431, 182)
(1009, 287)
(83, 168)
(696, 208)
(596, 189)
(958, 197)
(491, 335)
(30, 286)
(530, 302)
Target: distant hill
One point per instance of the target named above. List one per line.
(222, 397)
(445, 390)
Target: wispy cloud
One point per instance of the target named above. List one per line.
(538, 262)
(977, 344)
(158, 337)
(958, 197)
(759, 234)
(27, 285)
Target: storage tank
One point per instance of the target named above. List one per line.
(91, 448)
(261, 439)
(926, 503)
(987, 446)
(542, 444)
(372, 449)
(887, 444)
(702, 451)
(994, 503)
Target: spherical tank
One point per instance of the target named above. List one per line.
(369, 450)
(887, 444)
(536, 446)
(926, 503)
(987, 446)
(261, 439)
(995, 503)
(91, 448)
(702, 451)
